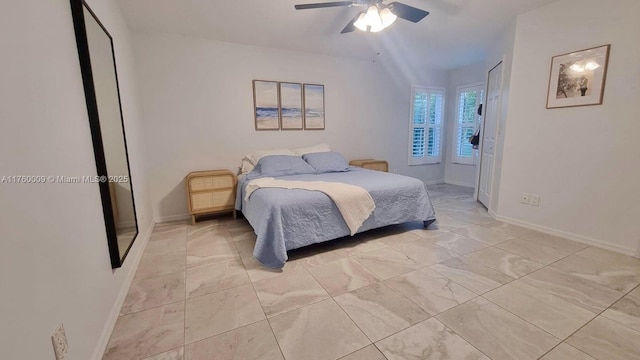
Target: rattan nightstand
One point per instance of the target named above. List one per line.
(371, 164)
(211, 192)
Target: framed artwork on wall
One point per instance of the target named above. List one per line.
(290, 106)
(266, 105)
(313, 106)
(578, 78)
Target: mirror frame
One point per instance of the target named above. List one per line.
(77, 12)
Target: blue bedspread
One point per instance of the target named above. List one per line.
(285, 219)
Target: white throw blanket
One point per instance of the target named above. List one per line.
(355, 203)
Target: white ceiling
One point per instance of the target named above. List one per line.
(456, 33)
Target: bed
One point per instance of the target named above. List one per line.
(287, 219)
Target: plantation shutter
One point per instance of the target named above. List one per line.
(427, 112)
(467, 121)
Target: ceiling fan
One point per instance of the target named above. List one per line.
(377, 16)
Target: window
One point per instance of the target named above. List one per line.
(427, 108)
(468, 99)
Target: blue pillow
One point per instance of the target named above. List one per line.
(325, 162)
(280, 165)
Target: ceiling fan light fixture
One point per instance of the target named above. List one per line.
(387, 17)
(376, 28)
(373, 17)
(361, 23)
(376, 17)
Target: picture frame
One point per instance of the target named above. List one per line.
(290, 106)
(313, 95)
(266, 105)
(578, 78)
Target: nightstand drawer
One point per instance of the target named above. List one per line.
(212, 200)
(211, 182)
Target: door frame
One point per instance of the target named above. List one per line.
(476, 192)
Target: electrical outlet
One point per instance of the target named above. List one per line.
(535, 200)
(524, 198)
(60, 346)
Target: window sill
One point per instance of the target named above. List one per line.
(461, 163)
(429, 163)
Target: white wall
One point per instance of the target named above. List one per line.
(198, 109)
(459, 174)
(54, 260)
(582, 161)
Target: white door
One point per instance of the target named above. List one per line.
(491, 114)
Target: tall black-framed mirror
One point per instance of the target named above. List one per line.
(102, 94)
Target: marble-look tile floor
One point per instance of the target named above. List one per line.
(468, 287)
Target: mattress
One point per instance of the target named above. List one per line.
(286, 219)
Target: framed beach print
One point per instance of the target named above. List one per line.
(578, 78)
(266, 106)
(290, 106)
(313, 107)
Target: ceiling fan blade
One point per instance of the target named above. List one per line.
(323, 5)
(407, 12)
(350, 27)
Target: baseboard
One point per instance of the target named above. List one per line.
(171, 218)
(434, 182)
(115, 310)
(567, 235)
(459, 183)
